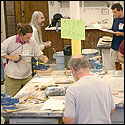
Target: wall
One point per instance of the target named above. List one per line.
(90, 11)
(56, 8)
(3, 34)
(53, 8)
(91, 14)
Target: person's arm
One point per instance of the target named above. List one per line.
(42, 46)
(119, 33)
(112, 111)
(15, 57)
(70, 110)
(47, 44)
(121, 57)
(68, 120)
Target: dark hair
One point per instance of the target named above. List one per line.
(24, 28)
(118, 6)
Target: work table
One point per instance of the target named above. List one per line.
(32, 112)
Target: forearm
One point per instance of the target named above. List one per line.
(112, 111)
(121, 59)
(8, 57)
(15, 57)
(68, 120)
(119, 33)
(122, 34)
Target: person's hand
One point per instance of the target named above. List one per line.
(43, 58)
(47, 44)
(104, 28)
(15, 57)
(117, 33)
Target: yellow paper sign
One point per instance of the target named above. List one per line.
(73, 29)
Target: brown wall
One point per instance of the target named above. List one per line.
(10, 18)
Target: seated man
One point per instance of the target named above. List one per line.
(121, 52)
(89, 100)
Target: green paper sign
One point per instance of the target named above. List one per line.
(73, 29)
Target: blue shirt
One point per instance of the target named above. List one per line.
(118, 25)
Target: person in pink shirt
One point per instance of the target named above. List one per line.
(18, 49)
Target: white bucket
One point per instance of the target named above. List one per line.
(59, 60)
(90, 52)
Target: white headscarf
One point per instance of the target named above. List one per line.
(35, 23)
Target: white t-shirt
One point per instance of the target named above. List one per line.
(89, 101)
(36, 37)
(21, 69)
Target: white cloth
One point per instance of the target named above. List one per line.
(21, 69)
(36, 37)
(89, 101)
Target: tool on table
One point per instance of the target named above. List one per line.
(66, 73)
(8, 102)
(20, 57)
(41, 88)
(39, 65)
(95, 57)
(104, 73)
(64, 82)
(55, 91)
(53, 86)
(25, 99)
(32, 97)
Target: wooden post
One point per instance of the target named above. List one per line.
(75, 14)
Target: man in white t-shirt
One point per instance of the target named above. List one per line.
(89, 100)
(17, 71)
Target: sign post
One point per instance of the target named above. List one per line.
(74, 28)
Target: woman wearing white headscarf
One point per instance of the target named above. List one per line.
(37, 21)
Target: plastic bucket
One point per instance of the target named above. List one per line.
(90, 52)
(59, 56)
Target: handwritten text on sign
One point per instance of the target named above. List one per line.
(73, 29)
